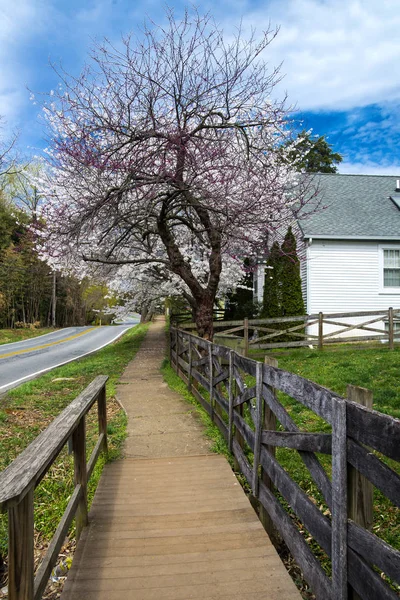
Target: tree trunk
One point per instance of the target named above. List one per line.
(203, 315)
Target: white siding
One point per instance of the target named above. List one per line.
(259, 275)
(346, 277)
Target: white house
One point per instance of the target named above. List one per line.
(350, 249)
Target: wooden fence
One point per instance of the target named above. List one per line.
(18, 482)
(246, 411)
(297, 331)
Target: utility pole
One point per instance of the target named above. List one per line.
(53, 303)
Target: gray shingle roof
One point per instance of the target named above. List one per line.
(356, 206)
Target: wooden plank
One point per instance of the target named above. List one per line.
(182, 364)
(374, 429)
(369, 427)
(245, 396)
(245, 364)
(200, 362)
(223, 376)
(194, 548)
(310, 460)
(298, 547)
(80, 475)
(30, 466)
(377, 472)
(95, 455)
(359, 489)
(307, 442)
(363, 543)
(349, 327)
(50, 559)
(269, 426)
(102, 417)
(230, 400)
(195, 392)
(233, 330)
(236, 373)
(210, 377)
(258, 422)
(339, 501)
(189, 384)
(20, 549)
(281, 345)
(222, 402)
(246, 336)
(391, 329)
(200, 378)
(374, 550)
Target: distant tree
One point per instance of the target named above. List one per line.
(313, 155)
(272, 301)
(292, 303)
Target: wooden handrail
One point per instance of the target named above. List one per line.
(19, 479)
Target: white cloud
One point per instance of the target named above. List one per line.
(337, 54)
(369, 168)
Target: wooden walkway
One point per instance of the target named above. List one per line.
(172, 528)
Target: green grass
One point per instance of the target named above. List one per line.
(373, 368)
(28, 409)
(7, 336)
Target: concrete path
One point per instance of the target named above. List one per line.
(160, 423)
(175, 523)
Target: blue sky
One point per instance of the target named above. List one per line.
(340, 59)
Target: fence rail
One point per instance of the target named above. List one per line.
(19, 479)
(316, 329)
(246, 413)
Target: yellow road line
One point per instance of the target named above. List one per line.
(67, 339)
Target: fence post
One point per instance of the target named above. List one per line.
(258, 428)
(176, 349)
(270, 425)
(246, 336)
(360, 504)
(190, 364)
(391, 329)
(320, 331)
(20, 549)
(339, 500)
(102, 416)
(231, 396)
(211, 384)
(80, 474)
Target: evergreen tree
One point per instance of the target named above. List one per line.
(291, 296)
(272, 305)
(313, 155)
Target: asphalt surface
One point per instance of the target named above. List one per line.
(25, 360)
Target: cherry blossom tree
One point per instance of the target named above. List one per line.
(166, 160)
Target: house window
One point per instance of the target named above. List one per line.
(391, 268)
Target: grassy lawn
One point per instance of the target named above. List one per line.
(375, 368)
(28, 409)
(7, 336)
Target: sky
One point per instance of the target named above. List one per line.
(339, 59)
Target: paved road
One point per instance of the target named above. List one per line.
(25, 360)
